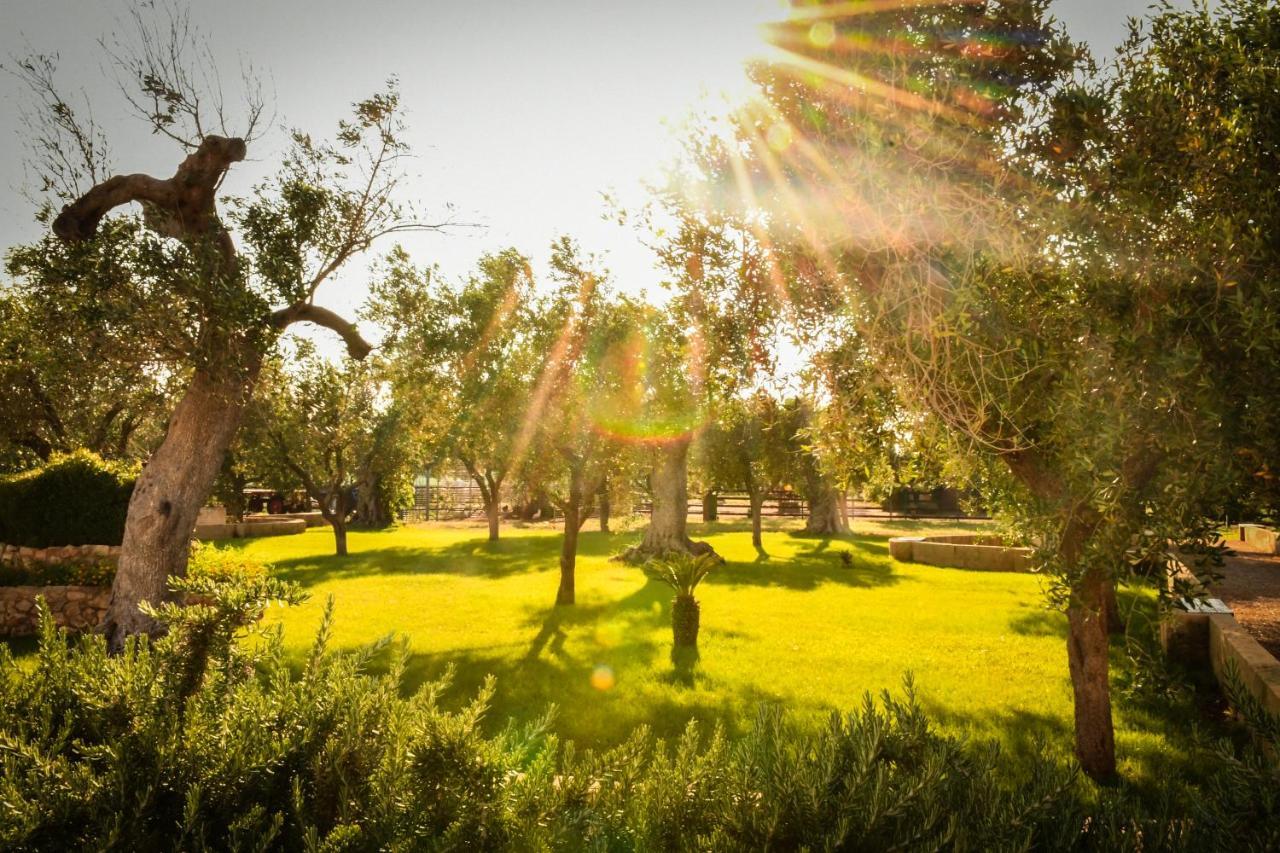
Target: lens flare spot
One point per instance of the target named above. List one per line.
(822, 34)
(602, 678)
(780, 136)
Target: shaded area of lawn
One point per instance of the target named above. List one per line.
(798, 624)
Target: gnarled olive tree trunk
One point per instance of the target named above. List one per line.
(168, 496)
(371, 509)
(1088, 640)
(668, 522)
(180, 474)
(824, 508)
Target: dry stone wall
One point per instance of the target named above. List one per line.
(11, 555)
(76, 608)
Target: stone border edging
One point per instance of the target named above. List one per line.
(275, 526)
(961, 552)
(56, 554)
(1258, 669)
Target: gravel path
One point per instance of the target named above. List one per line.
(1251, 588)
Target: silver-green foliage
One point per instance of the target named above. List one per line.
(199, 740)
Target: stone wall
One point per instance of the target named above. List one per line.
(1230, 644)
(53, 555)
(253, 526)
(1263, 538)
(978, 553)
(77, 608)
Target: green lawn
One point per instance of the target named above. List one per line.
(796, 626)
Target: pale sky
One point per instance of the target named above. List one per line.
(521, 113)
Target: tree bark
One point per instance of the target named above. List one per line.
(168, 496)
(1115, 622)
(605, 505)
(1089, 659)
(757, 502)
(569, 545)
(339, 525)
(492, 511)
(371, 510)
(824, 508)
(669, 483)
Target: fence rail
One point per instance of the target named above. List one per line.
(458, 502)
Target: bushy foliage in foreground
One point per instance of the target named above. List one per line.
(201, 741)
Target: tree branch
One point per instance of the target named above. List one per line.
(305, 312)
(186, 199)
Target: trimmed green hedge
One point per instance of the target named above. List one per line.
(74, 499)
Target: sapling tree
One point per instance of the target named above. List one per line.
(571, 456)
(322, 423)
(464, 359)
(749, 448)
(211, 311)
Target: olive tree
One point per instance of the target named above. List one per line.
(322, 423)
(210, 309)
(1032, 263)
(465, 357)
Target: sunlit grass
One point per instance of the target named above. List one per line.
(797, 627)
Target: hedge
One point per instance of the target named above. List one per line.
(74, 499)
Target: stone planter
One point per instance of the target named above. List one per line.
(974, 552)
(254, 526)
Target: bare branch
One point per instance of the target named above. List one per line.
(305, 312)
(65, 147)
(168, 75)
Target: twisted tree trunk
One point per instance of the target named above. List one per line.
(668, 522)
(1088, 657)
(180, 474)
(825, 517)
(168, 496)
(1088, 652)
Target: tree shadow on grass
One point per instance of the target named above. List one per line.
(601, 695)
(810, 568)
(479, 557)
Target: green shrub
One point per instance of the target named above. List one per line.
(75, 573)
(200, 741)
(223, 564)
(74, 499)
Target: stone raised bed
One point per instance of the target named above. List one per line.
(1263, 538)
(975, 552)
(252, 526)
(76, 608)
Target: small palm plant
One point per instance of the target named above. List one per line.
(683, 573)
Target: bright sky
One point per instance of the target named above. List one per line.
(522, 113)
